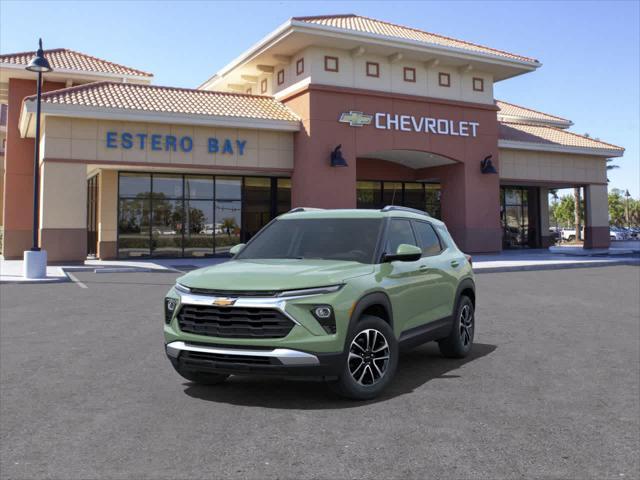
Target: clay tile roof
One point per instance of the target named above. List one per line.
(370, 25)
(65, 59)
(151, 98)
(513, 110)
(517, 132)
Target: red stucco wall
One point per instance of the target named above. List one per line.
(470, 200)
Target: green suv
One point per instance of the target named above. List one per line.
(326, 293)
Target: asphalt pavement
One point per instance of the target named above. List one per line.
(551, 390)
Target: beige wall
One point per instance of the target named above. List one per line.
(352, 73)
(63, 195)
(598, 206)
(80, 139)
(551, 167)
(108, 206)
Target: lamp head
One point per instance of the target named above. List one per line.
(39, 62)
(337, 160)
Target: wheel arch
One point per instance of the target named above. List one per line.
(467, 287)
(376, 304)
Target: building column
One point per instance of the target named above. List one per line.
(470, 205)
(63, 211)
(596, 216)
(546, 240)
(107, 214)
(18, 173)
(314, 182)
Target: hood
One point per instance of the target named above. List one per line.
(274, 274)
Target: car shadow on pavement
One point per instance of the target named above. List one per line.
(416, 368)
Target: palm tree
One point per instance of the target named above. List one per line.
(611, 167)
(576, 210)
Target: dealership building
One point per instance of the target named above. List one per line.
(337, 111)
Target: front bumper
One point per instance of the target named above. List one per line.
(187, 356)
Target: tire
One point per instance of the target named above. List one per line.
(571, 238)
(202, 378)
(459, 342)
(371, 340)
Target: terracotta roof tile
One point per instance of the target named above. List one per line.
(152, 98)
(65, 59)
(517, 132)
(379, 27)
(513, 110)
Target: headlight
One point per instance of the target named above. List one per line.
(311, 291)
(181, 288)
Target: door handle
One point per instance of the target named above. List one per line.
(423, 268)
(454, 263)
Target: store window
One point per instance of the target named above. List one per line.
(418, 195)
(519, 214)
(170, 215)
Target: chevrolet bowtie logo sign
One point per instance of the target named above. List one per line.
(224, 302)
(356, 119)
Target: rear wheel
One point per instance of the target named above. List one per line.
(370, 361)
(459, 342)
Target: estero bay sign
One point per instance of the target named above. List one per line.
(411, 123)
(171, 143)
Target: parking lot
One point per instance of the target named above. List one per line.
(551, 390)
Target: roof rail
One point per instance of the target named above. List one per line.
(304, 209)
(391, 208)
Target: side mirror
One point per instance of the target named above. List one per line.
(236, 249)
(404, 253)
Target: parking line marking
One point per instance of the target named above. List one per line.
(75, 280)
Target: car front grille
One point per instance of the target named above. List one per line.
(234, 322)
(212, 360)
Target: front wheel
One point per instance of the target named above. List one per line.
(370, 361)
(459, 342)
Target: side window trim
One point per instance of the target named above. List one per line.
(435, 231)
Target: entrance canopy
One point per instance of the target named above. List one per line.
(410, 158)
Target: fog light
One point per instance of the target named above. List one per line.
(170, 305)
(322, 312)
(324, 315)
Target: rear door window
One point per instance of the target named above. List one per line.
(428, 238)
(399, 232)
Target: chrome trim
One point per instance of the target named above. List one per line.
(242, 302)
(285, 355)
(308, 292)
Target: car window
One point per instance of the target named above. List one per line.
(349, 239)
(429, 241)
(399, 232)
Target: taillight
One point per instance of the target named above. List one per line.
(469, 259)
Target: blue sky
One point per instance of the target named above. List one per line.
(589, 50)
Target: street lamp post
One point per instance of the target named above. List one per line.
(35, 260)
(626, 208)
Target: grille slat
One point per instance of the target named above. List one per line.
(234, 322)
(200, 359)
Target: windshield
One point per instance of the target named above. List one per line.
(350, 239)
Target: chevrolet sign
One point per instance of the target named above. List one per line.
(410, 123)
(355, 119)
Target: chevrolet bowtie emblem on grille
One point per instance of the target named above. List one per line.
(224, 302)
(356, 119)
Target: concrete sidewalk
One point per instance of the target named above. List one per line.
(506, 261)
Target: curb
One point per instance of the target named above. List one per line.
(562, 266)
